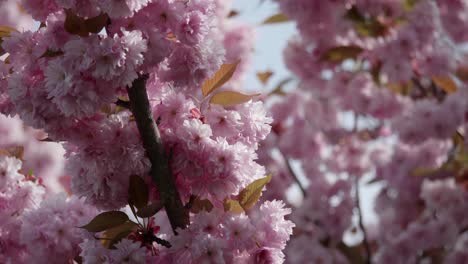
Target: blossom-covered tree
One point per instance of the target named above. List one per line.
(381, 100)
(126, 135)
(161, 162)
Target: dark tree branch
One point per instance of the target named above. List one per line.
(160, 171)
(367, 248)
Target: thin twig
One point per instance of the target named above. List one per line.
(160, 170)
(367, 247)
(294, 175)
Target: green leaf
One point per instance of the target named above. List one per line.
(199, 205)
(223, 75)
(341, 53)
(231, 98)
(106, 220)
(138, 192)
(150, 210)
(251, 194)
(233, 206)
(276, 18)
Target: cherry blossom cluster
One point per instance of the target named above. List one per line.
(71, 78)
(37, 223)
(380, 101)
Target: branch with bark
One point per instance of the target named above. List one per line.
(160, 170)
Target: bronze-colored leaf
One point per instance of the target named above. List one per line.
(279, 87)
(353, 254)
(199, 205)
(16, 152)
(5, 31)
(375, 72)
(97, 23)
(52, 53)
(118, 238)
(171, 37)
(263, 77)
(341, 53)
(408, 5)
(276, 18)
(403, 88)
(445, 83)
(233, 206)
(462, 73)
(366, 26)
(220, 78)
(114, 235)
(106, 220)
(231, 98)
(233, 13)
(150, 209)
(138, 194)
(250, 195)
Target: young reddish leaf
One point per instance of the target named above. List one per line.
(230, 98)
(445, 83)
(221, 77)
(264, 76)
(74, 24)
(150, 209)
(97, 23)
(199, 205)
(341, 53)
(277, 18)
(138, 192)
(114, 235)
(106, 220)
(250, 195)
(233, 206)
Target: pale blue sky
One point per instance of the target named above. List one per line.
(270, 40)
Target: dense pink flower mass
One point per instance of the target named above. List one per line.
(380, 104)
(126, 135)
(72, 79)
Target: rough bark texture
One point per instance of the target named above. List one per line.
(160, 171)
